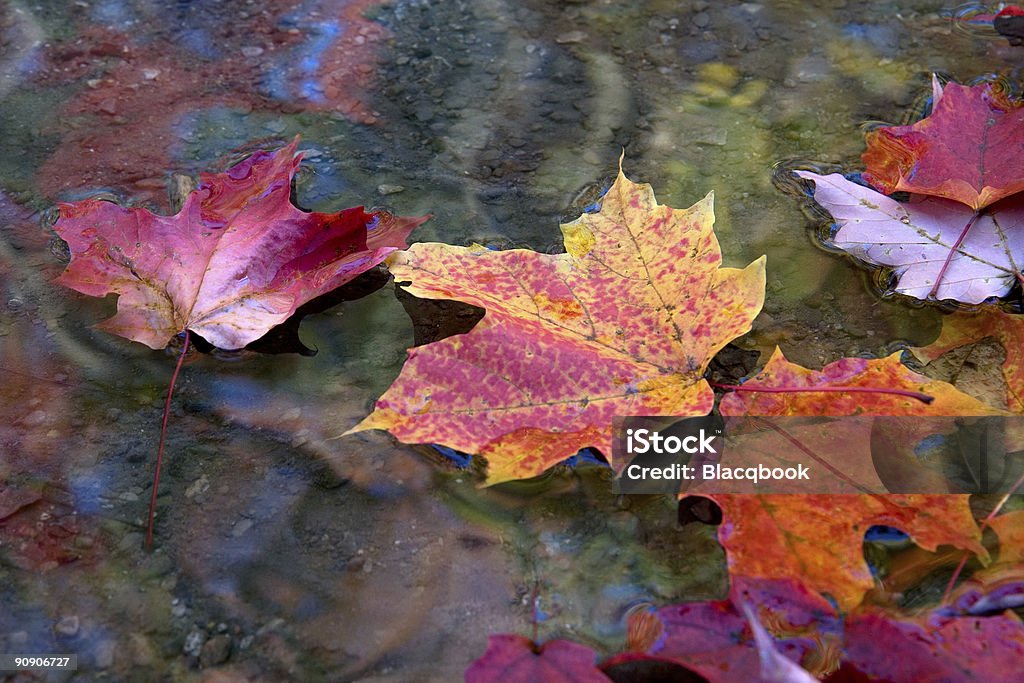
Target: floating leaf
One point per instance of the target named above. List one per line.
(967, 150)
(820, 537)
(938, 248)
(237, 259)
(857, 374)
(624, 324)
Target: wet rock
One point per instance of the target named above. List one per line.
(215, 651)
(141, 650)
(156, 565)
(194, 642)
(67, 625)
(131, 541)
(570, 37)
(241, 527)
(104, 653)
(198, 487)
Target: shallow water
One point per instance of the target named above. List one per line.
(282, 552)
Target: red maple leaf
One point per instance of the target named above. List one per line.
(237, 259)
(515, 659)
(968, 149)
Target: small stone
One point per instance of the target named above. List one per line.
(178, 610)
(68, 625)
(105, 650)
(276, 126)
(194, 642)
(386, 189)
(701, 19)
(131, 541)
(570, 37)
(198, 487)
(251, 50)
(241, 527)
(215, 651)
(150, 74)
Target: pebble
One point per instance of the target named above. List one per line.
(570, 37)
(386, 189)
(251, 50)
(105, 650)
(198, 487)
(68, 625)
(194, 642)
(215, 651)
(241, 527)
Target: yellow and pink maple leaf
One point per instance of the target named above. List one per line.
(625, 323)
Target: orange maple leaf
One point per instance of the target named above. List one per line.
(625, 323)
(819, 537)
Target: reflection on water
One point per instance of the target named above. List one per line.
(285, 553)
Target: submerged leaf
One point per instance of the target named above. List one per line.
(625, 323)
(237, 259)
(960, 329)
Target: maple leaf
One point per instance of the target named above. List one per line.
(716, 640)
(935, 647)
(999, 586)
(938, 248)
(237, 259)
(819, 537)
(854, 386)
(968, 149)
(961, 328)
(514, 659)
(712, 638)
(625, 323)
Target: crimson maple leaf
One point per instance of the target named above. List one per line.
(237, 259)
(968, 149)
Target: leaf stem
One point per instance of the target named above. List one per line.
(952, 250)
(160, 450)
(808, 452)
(922, 397)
